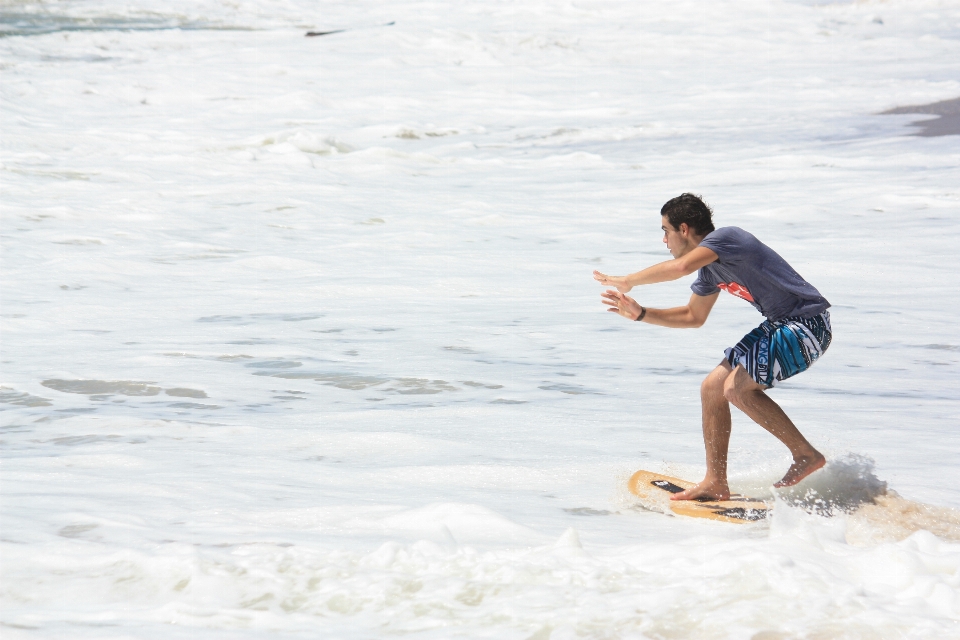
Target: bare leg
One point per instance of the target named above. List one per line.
(716, 437)
(748, 396)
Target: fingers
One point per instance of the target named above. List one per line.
(614, 297)
(619, 303)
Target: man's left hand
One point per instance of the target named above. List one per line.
(620, 282)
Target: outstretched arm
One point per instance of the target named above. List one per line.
(689, 316)
(662, 272)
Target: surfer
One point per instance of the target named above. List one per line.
(794, 335)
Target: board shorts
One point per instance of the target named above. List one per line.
(780, 349)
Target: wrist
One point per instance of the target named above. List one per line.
(643, 312)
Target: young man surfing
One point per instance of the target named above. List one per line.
(794, 335)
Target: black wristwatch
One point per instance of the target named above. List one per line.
(643, 312)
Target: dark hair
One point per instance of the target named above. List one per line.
(690, 209)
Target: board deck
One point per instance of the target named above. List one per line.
(655, 489)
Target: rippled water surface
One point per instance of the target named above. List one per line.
(300, 338)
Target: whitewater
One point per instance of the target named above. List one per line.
(300, 338)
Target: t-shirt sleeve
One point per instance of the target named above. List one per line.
(727, 243)
(704, 285)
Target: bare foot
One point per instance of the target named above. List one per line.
(801, 468)
(706, 490)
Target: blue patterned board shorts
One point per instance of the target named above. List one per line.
(780, 349)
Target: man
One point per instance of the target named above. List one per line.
(794, 335)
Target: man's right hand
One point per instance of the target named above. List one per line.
(620, 282)
(621, 304)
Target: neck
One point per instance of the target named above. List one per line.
(693, 242)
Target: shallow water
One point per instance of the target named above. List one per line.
(299, 334)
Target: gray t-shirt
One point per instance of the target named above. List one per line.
(751, 270)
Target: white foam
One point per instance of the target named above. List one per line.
(299, 334)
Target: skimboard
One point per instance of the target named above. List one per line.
(655, 489)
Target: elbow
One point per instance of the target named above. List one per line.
(680, 269)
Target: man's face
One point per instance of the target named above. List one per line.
(675, 239)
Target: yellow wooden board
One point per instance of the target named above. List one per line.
(655, 489)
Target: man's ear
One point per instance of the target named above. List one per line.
(683, 228)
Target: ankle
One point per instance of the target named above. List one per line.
(807, 455)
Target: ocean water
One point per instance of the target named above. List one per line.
(300, 339)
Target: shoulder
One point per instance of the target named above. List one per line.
(729, 234)
(726, 240)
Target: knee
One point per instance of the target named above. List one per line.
(731, 393)
(735, 386)
(712, 387)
